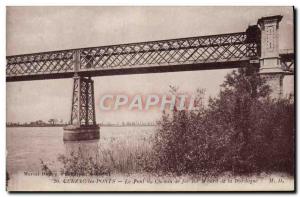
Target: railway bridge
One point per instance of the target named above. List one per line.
(258, 46)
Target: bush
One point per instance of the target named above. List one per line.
(242, 131)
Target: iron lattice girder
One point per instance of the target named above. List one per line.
(232, 47)
(83, 104)
(47, 62)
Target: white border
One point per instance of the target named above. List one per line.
(4, 3)
(152, 2)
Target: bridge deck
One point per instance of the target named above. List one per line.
(194, 53)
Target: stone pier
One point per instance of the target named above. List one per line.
(270, 67)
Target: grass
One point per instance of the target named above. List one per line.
(122, 152)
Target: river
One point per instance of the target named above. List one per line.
(27, 146)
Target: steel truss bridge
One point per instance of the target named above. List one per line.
(221, 51)
(196, 53)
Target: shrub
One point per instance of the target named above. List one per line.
(242, 130)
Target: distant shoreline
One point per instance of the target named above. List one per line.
(65, 125)
(35, 126)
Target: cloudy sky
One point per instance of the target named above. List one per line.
(37, 29)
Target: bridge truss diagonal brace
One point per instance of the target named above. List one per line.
(83, 103)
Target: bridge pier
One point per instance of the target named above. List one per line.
(270, 67)
(83, 119)
(275, 81)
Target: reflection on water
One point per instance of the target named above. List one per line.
(26, 146)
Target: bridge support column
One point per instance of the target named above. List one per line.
(83, 120)
(270, 67)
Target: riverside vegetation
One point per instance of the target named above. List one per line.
(242, 131)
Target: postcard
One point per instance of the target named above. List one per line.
(150, 99)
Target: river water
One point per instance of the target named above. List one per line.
(27, 146)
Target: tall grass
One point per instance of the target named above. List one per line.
(115, 155)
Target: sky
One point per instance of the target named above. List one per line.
(38, 29)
